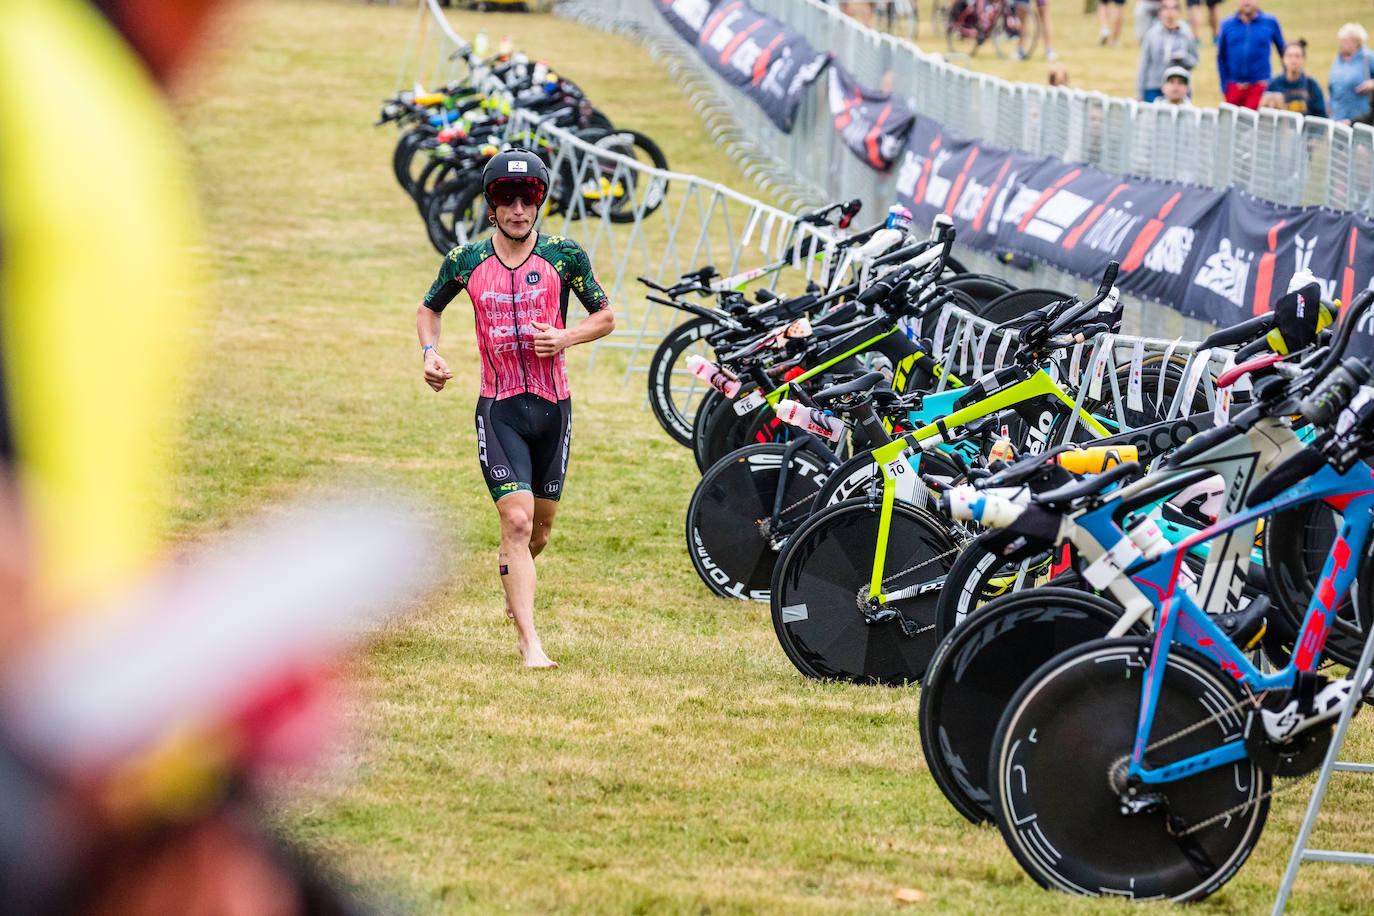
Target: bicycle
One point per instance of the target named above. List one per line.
(1187, 735)
(1010, 24)
(837, 611)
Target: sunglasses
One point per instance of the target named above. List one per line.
(528, 191)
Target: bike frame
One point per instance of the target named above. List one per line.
(894, 464)
(1181, 620)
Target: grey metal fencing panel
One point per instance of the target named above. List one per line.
(1275, 155)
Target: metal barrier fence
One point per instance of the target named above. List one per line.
(1276, 155)
(635, 220)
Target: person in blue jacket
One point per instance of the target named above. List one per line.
(1300, 92)
(1352, 75)
(1243, 53)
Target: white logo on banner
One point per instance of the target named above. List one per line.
(1302, 260)
(971, 200)
(1060, 212)
(908, 172)
(692, 12)
(1110, 230)
(1170, 253)
(937, 188)
(1021, 202)
(1226, 272)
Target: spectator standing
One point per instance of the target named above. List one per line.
(1195, 17)
(1350, 82)
(1178, 83)
(1300, 92)
(1146, 12)
(1243, 53)
(1169, 42)
(1109, 21)
(1042, 12)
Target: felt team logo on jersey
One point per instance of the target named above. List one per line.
(532, 277)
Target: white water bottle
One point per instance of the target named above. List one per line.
(799, 415)
(879, 243)
(723, 380)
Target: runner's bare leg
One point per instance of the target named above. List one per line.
(517, 573)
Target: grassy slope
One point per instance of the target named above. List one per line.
(676, 762)
(1113, 70)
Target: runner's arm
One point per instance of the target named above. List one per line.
(427, 322)
(550, 340)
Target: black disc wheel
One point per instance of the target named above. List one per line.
(717, 436)
(821, 584)
(700, 420)
(979, 668)
(674, 392)
(1058, 776)
(729, 520)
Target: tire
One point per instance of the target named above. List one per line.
(1153, 407)
(455, 214)
(979, 668)
(822, 577)
(407, 148)
(980, 576)
(672, 408)
(711, 437)
(728, 547)
(859, 473)
(643, 150)
(1071, 723)
(981, 289)
(1018, 302)
(699, 422)
(961, 28)
(1293, 566)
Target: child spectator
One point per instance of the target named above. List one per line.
(1168, 43)
(1243, 53)
(1297, 91)
(1350, 82)
(1059, 76)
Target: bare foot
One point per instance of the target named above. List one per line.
(537, 659)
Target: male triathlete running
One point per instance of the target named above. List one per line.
(519, 282)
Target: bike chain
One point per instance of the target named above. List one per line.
(1277, 786)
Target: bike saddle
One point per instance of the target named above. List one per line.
(863, 383)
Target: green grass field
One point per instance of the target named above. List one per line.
(675, 762)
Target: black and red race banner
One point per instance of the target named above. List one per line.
(763, 58)
(874, 125)
(1217, 255)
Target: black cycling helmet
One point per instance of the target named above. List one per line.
(516, 165)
